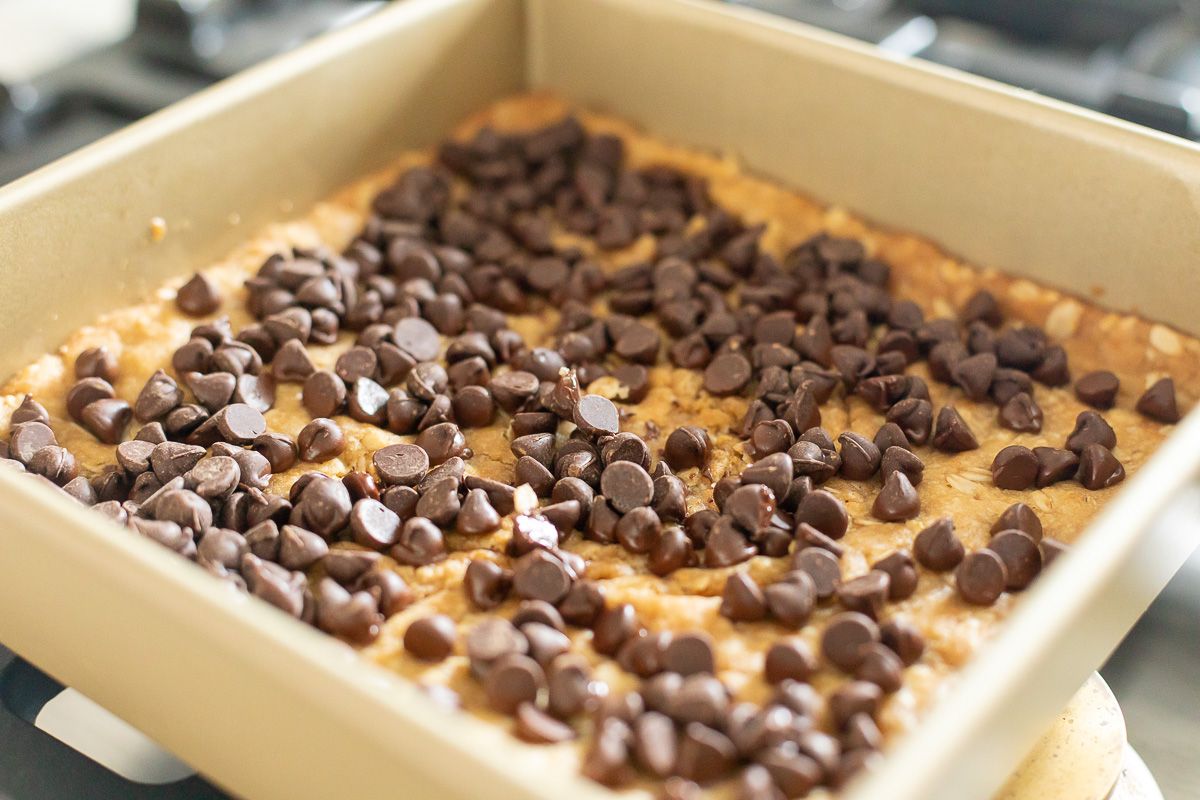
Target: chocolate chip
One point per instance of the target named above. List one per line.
(670, 498)
(418, 338)
(882, 667)
(420, 543)
(627, 486)
(981, 578)
(915, 418)
(443, 441)
(96, 362)
(279, 449)
(974, 375)
(860, 456)
(477, 515)
(889, 435)
(537, 727)
(213, 478)
(655, 743)
(1015, 467)
(374, 525)
(30, 411)
(321, 505)
(320, 440)
(431, 638)
(1055, 465)
(689, 654)
(198, 297)
(539, 575)
(1091, 428)
(107, 419)
(27, 438)
(824, 512)
(1158, 402)
(897, 500)
(274, 584)
(937, 548)
(751, 506)
(774, 472)
(951, 434)
(540, 447)
(240, 424)
(846, 638)
(612, 627)
(742, 599)
(1020, 413)
(324, 394)
(902, 573)
(1099, 468)
(982, 307)
(634, 380)
(292, 363)
(487, 584)
(903, 639)
(687, 446)
(822, 567)
(300, 549)
(1019, 517)
(866, 593)
(596, 415)
(55, 464)
(159, 395)
(1098, 389)
(607, 758)
(671, 551)
(791, 600)
(1021, 556)
(439, 502)
(727, 374)
(726, 545)
(583, 603)
(855, 697)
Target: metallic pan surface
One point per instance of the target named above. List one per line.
(272, 709)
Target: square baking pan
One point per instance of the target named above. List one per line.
(270, 708)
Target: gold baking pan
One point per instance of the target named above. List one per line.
(271, 709)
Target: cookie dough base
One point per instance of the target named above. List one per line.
(144, 336)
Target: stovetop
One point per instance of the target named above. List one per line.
(76, 71)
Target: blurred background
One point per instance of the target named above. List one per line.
(72, 71)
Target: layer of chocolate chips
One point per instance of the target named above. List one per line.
(422, 296)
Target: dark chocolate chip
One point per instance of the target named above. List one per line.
(902, 573)
(431, 638)
(1158, 402)
(981, 578)
(846, 639)
(198, 297)
(1091, 428)
(937, 548)
(1021, 556)
(951, 434)
(627, 486)
(727, 374)
(1055, 465)
(1099, 468)
(320, 440)
(1098, 389)
(822, 567)
(1015, 467)
(743, 600)
(897, 500)
(1019, 517)
(1021, 413)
